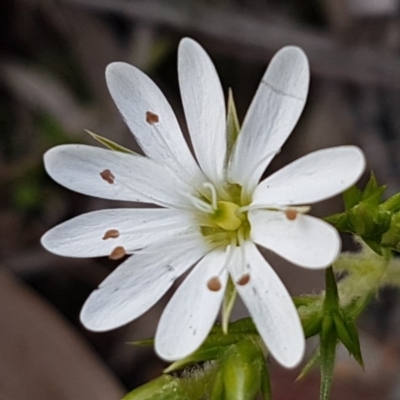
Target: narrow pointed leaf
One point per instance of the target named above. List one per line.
(314, 359)
(328, 353)
(353, 333)
(109, 143)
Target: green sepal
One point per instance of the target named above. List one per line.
(201, 355)
(232, 125)
(328, 343)
(166, 387)
(227, 305)
(110, 144)
(238, 376)
(212, 348)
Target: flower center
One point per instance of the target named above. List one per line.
(227, 216)
(222, 217)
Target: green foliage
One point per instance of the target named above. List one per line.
(367, 216)
(109, 143)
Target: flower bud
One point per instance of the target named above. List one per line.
(239, 374)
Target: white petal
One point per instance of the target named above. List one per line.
(91, 234)
(138, 283)
(204, 104)
(314, 177)
(272, 115)
(190, 314)
(306, 241)
(134, 178)
(135, 95)
(272, 309)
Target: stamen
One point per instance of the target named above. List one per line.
(291, 214)
(111, 234)
(108, 176)
(242, 209)
(118, 253)
(214, 197)
(201, 205)
(152, 118)
(243, 280)
(214, 284)
(240, 236)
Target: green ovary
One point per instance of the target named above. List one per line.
(226, 216)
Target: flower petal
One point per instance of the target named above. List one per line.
(272, 115)
(98, 233)
(305, 241)
(204, 105)
(139, 282)
(151, 119)
(272, 309)
(116, 176)
(190, 314)
(314, 177)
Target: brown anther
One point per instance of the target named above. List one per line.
(151, 118)
(244, 280)
(291, 214)
(117, 253)
(214, 284)
(108, 176)
(111, 234)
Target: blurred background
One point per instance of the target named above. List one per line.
(52, 87)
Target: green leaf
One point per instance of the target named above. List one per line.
(165, 387)
(239, 372)
(342, 332)
(372, 193)
(328, 340)
(266, 390)
(206, 354)
(331, 301)
(392, 204)
(351, 197)
(315, 357)
(110, 144)
(353, 333)
(227, 305)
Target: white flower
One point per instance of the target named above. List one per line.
(212, 213)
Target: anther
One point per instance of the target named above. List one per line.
(117, 253)
(214, 284)
(291, 214)
(108, 176)
(243, 280)
(111, 234)
(152, 118)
